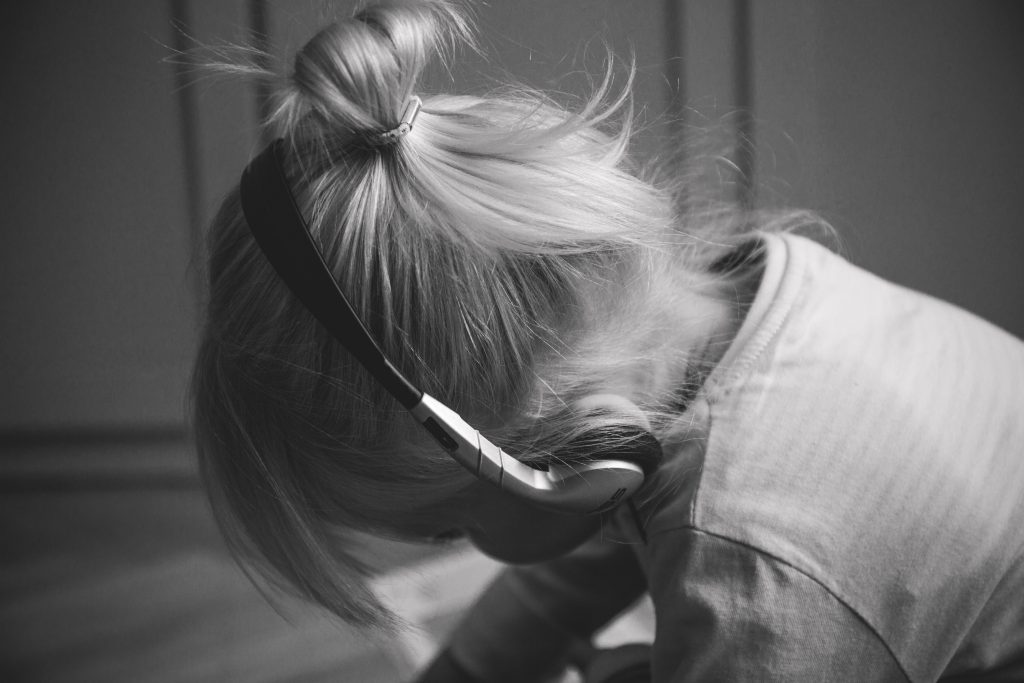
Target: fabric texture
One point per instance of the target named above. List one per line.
(843, 501)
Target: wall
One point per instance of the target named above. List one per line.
(901, 123)
(94, 287)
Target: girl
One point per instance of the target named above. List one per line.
(817, 475)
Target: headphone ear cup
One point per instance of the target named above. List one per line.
(604, 466)
(596, 470)
(621, 432)
(616, 441)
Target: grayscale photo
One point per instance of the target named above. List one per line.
(512, 341)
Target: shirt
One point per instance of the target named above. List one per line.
(843, 501)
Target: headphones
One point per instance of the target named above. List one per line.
(591, 487)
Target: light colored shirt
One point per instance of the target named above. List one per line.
(843, 501)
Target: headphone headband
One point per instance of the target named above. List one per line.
(277, 225)
(281, 233)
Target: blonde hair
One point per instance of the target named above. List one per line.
(505, 256)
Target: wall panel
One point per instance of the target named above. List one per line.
(717, 107)
(900, 122)
(95, 300)
(224, 106)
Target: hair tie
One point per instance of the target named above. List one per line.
(412, 110)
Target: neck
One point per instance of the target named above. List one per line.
(701, 323)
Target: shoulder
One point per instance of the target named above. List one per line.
(727, 611)
(831, 468)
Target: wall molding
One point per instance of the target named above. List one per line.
(97, 459)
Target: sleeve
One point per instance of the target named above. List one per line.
(523, 624)
(728, 612)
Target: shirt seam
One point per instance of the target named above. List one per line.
(717, 386)
(794, 270)
(780, 560)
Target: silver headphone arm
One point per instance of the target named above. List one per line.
(582, 488)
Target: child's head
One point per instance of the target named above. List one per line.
(502, 254)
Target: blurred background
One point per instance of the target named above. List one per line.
(900, 122)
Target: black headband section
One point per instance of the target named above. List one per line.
(281, 233)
